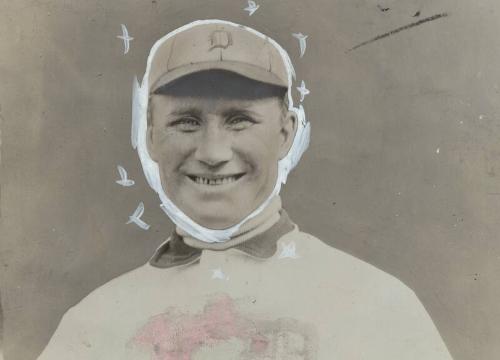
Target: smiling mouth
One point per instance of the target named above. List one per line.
(215, 180)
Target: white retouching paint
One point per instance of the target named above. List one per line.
(251, 8)
(126, 39)
(136, 217)
(302, 42)
(151, 169)
(219, 274)
(303, 91)
(124, 180)
(288, 251)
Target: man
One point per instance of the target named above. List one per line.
(217, 134)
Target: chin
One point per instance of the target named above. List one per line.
(216, 222)
(215, 214)
(214, 217)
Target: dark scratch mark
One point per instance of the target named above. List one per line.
(383, 9)
(417, 14)
(395, 31)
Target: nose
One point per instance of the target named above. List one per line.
(214, 148)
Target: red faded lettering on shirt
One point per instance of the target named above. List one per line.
(174, 335)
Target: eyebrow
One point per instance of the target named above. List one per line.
(232, 111)
(190, 110)
(239, 111)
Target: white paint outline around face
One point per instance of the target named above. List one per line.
(151, 169)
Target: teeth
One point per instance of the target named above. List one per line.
(218, 181)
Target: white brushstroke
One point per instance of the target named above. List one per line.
(126, 39)
(303, 90)
(137, 111)
(251, 8)
(481, 117)
(302, 42)
(151, 169)
(136, 217)
(438, 150)
(219, 274)
(124, 180)
(288, 251)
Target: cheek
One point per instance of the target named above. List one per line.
(172, 149)
(260, 149)
(171, 143)
(269, 142)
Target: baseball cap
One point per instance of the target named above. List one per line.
(217, 46)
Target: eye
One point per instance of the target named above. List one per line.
(240, 122)
(186, 124)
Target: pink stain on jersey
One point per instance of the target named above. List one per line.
(259, 344)
(177, 336)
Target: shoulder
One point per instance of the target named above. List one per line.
(107, 303)
(126, 286)
(335, 268)
(370, 297)
(84, 329)
(324, 254)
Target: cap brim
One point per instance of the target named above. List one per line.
(243, 69)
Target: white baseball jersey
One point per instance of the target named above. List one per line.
(301, 300)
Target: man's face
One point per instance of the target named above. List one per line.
(218, 157)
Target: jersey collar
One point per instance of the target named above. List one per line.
(175, 251)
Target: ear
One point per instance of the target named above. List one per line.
(150, 143)
(288, 130)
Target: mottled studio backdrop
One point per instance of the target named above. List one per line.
(403, 170)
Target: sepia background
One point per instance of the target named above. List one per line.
(403, 170)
